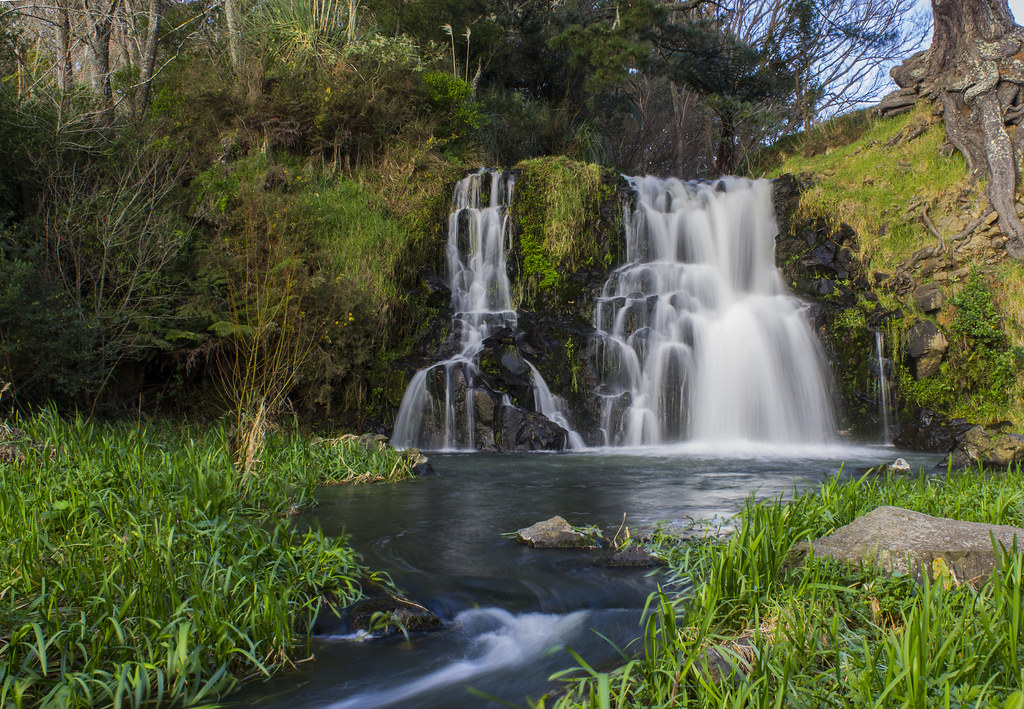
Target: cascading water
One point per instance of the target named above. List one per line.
(700, 340)
(883, 388)
(445, 407)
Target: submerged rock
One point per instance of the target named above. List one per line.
(389, 614)
(904, 541)
(633, 557)
(554, 533)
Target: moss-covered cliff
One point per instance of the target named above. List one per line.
(883, 230)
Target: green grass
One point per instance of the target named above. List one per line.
(136, 570)
(822, 634)
(859, 179)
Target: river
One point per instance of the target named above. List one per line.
(510, 611)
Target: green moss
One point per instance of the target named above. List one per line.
(557, 204)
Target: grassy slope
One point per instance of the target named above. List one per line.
(865, 172)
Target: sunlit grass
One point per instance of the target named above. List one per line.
(870, 184)
(137, 570)
(816, 633)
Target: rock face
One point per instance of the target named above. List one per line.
(904, 541)
(931, 431)
(990, 449)
(554, 533)
(926, 346)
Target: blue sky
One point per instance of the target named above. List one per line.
(1017, 8)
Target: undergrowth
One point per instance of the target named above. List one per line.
(816, 633)
(138, 569)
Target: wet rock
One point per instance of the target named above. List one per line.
(633, 557)
(932, 431)
(929, 297)
(989, 448)
(522, 430)
(926, 346)
(387, 615)
(420, 464)
(903, 541)
(554, 533)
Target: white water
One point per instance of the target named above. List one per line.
(883, 388)
(476, 250)
(700, 340)
(499, 640)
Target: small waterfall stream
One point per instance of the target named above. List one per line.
(445, 406)
(883, 388)
(701, 341)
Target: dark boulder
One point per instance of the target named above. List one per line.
(932, 431)
(522, 430)
(387, 615)
(633, 557)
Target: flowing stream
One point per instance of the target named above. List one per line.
(702, 349)
(510, 611)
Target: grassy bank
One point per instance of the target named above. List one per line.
(820, 634)
(136, 569)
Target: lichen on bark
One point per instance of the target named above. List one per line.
(974, 71)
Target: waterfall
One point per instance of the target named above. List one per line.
(699, 338)
(883, 388)
(448, 405)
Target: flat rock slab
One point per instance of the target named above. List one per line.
(554, 533)
(900, 540)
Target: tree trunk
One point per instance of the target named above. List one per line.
(149, 54)
(65, 75)
(725, 161)
(234, 32)
(99, 17)
(975, 70)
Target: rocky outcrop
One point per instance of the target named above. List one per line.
(903, 541)
(931, 431)
(926, 346)
(555, 533)
(633, 557)
(987, 448)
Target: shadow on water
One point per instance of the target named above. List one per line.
(509, 611)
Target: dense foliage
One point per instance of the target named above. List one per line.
(138, 569)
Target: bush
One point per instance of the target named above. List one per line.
(452, 100)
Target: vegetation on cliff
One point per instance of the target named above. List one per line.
(927, 248)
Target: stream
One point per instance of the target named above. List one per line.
(510, 611)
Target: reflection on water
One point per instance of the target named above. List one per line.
(509, 610)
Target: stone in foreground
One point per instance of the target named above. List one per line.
(554, 533)
(900, 540)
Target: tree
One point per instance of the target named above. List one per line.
(974, 70)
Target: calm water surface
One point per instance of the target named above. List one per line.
(511, 611)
